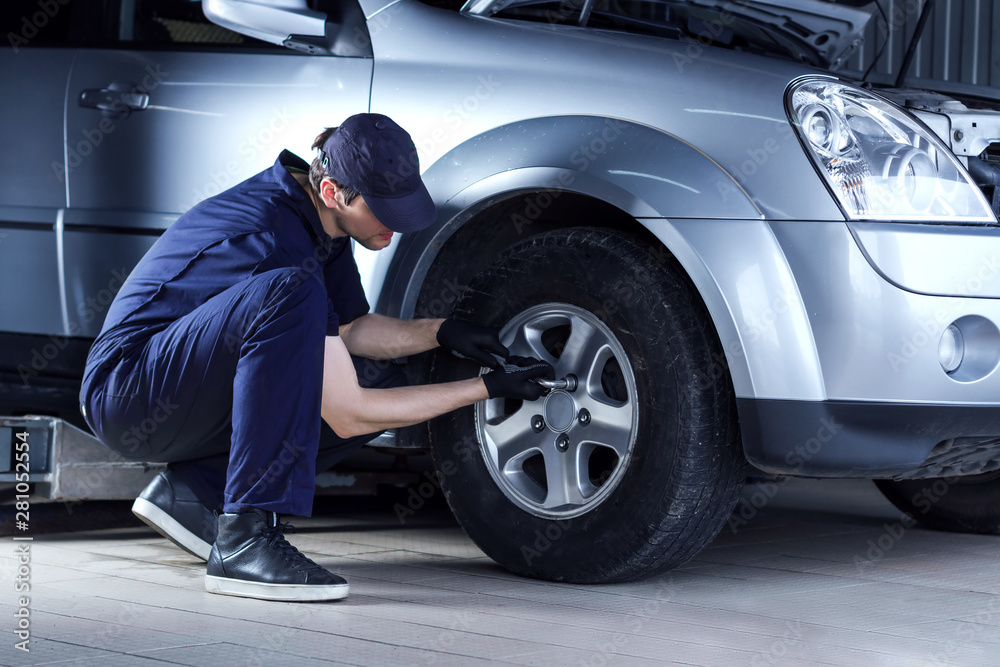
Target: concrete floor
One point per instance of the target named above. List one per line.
(823, 574)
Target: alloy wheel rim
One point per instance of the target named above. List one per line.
(562, 455)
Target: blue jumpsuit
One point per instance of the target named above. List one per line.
(211, 355)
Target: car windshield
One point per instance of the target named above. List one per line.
(816, 32)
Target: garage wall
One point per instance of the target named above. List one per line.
(961, 42)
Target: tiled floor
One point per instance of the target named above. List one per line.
(822, 574)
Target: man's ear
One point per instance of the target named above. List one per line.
(328, 190)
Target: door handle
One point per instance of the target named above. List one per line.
(109, 100)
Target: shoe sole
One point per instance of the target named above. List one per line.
(166, 525)
(282, 592)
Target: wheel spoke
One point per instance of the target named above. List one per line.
(514, 437)
(566, 478)
(585, 353)
(610, 425)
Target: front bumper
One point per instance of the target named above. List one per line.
(815, 336)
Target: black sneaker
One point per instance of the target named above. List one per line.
(251, 558)
(170, 508)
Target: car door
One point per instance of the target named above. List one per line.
(172, 109)
(34, 64)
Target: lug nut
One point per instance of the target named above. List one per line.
(537, 424)
(584, 417)
(562, 442)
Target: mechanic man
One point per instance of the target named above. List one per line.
(245, 327)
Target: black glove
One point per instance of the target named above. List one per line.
(471, 341)
(513, 378)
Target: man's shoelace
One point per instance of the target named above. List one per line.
(275, 538)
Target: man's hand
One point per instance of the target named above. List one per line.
(472, 342)
(514, 378)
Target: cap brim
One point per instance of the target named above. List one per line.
(408, 213)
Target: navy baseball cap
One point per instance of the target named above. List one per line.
(370, 153)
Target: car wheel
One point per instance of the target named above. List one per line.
(969, 504)
(634, 471)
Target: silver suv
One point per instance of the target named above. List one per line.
(742, 254)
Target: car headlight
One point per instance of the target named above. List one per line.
(879, 162)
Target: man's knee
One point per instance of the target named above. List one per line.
(291, 277)
(295, 287)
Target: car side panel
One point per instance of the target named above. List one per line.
(33, 189)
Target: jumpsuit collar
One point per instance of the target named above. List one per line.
(299, 196)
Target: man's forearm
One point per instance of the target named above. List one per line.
(380, 409)
(379, 337)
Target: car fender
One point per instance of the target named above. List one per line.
(699, 213)
(652, 172)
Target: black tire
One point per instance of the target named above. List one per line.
(969, 504)
(658, 500)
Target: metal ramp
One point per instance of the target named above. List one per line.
(66, 463)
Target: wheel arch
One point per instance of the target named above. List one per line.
(490, 227)
(627, 170)
(487, 203)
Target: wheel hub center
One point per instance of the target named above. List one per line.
(560, 411)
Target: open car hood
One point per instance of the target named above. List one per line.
(828, 30)
(822, 33)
